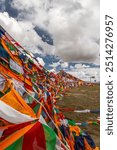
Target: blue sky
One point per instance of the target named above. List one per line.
(68, 29)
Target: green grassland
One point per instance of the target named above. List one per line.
(83, 97)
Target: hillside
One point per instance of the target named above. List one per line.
(82, 98)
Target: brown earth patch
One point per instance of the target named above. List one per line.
(79, 99)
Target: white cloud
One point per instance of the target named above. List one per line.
(59, 63)
(20, 31)
(35, 11)
(64, 64)
(54, 65)
(24, 33)
(10, 23)
(75, 31)
(74, 25)
(86, 73)
(41, 61)
(80, 66)
(71, 67)
(53, 70)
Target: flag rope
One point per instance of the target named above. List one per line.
(67, 148)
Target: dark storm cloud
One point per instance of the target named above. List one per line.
(46, 37)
